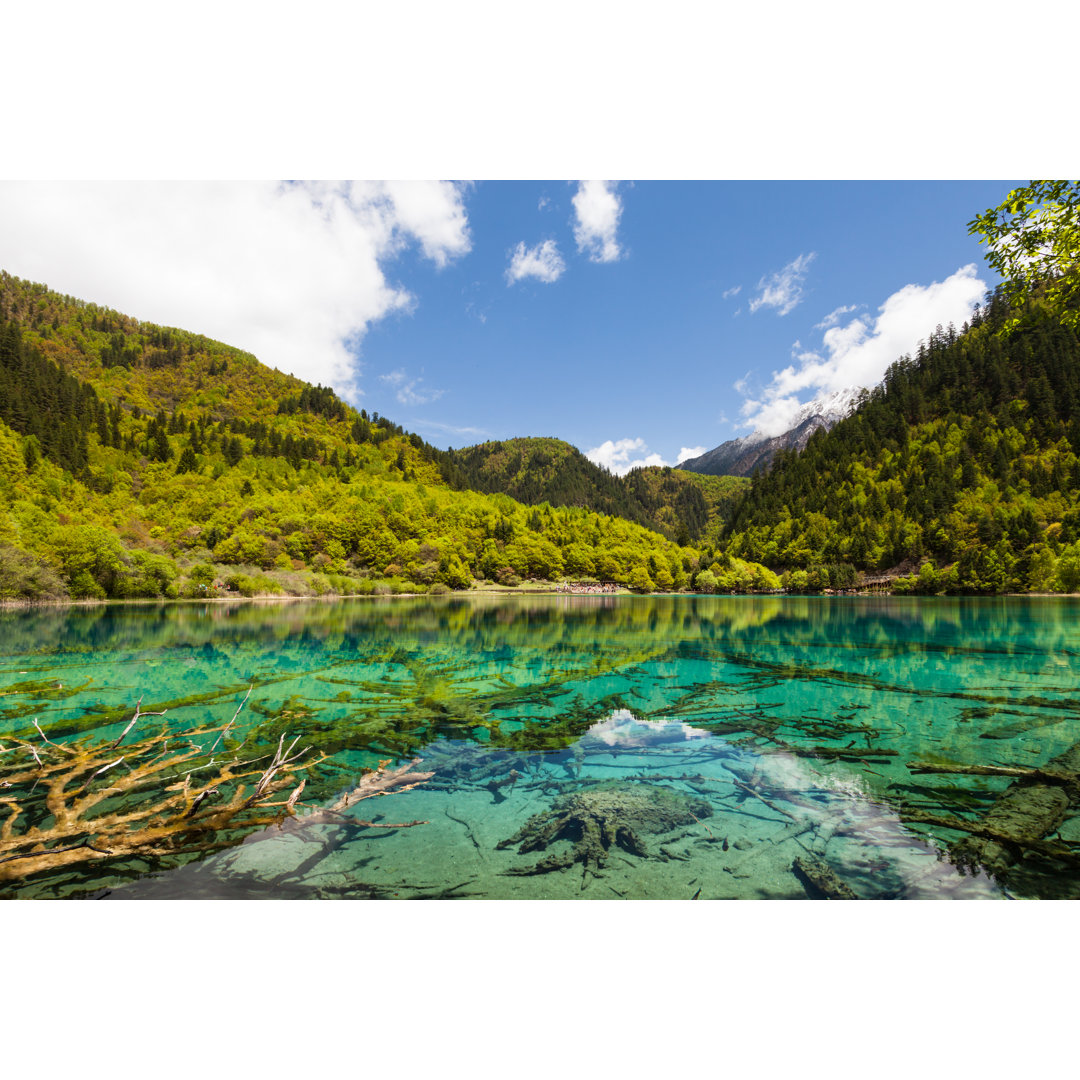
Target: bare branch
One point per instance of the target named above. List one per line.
(104, 768)
(281, 761)
(55, 851)
(47, 739)
(291, 803)
(134, 720)
(225, 730)
(199, 798)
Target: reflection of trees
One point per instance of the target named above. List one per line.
(864, 683)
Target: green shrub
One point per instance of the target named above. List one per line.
(252, 585)
(705, 582)
(25, 577)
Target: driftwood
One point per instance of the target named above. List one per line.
(1028, 811)
(1054, 776)
(771, 805)
(73, 803)
(986, 831)
(139, 714)
(382, 781)
(820, 881)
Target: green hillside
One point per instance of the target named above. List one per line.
(682, 506)
(965, 463)
(140, 461)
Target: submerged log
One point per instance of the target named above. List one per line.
(918, 768)
(820, 881)
(1028, 811)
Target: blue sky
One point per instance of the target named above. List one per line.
(637, 320)
(652, 344)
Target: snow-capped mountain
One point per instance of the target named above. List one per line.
(754, 452)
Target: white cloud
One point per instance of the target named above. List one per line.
(615, 456)
(783, 289)
(859, 353)
(688, 452)
(407, 390)
(733, 291)
(597, 209)
(542, 262)
(293, 273)
(434, 214)
(834, 316)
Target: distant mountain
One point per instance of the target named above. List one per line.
(962, 465)
(755, 452)
(139, 460)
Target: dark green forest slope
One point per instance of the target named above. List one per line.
(966, 459)
(138, 460)
(681, 505)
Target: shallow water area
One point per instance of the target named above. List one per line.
(581, 747)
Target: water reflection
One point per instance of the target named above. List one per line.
(795, 718)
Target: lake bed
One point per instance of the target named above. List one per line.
(579, 747)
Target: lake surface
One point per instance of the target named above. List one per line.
(580, 747)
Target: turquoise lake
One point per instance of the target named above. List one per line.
(580, 747)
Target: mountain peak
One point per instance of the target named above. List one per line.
(754, 452)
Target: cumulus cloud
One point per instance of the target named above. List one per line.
(434, 215)
(727, 294)
(688, 452)
(292, 272)
(408, 391)
(857, 354)
(783, 290)
(542, 262)
(597, 209)
(616, 456)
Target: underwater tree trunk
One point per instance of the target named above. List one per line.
(820, 881)
(1029, 810)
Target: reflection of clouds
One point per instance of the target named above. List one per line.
(622, 728)
(862, 837)
(844, 822)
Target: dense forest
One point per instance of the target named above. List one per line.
(142, 461)
(963, 464)
(682, 506)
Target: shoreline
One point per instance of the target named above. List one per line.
(498, 590)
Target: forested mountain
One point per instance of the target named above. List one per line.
(539, 470)
(754, 452)
(965, 460)
(139, 460)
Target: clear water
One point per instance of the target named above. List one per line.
(529, 709)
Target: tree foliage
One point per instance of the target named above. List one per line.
(967, 454)
(1033, 241)
(138, 460)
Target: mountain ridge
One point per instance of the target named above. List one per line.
(682, 506)
(753, 453)
(964, 464)
(146, 461)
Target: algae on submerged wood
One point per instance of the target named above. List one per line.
(600, 817)
(158, 797)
